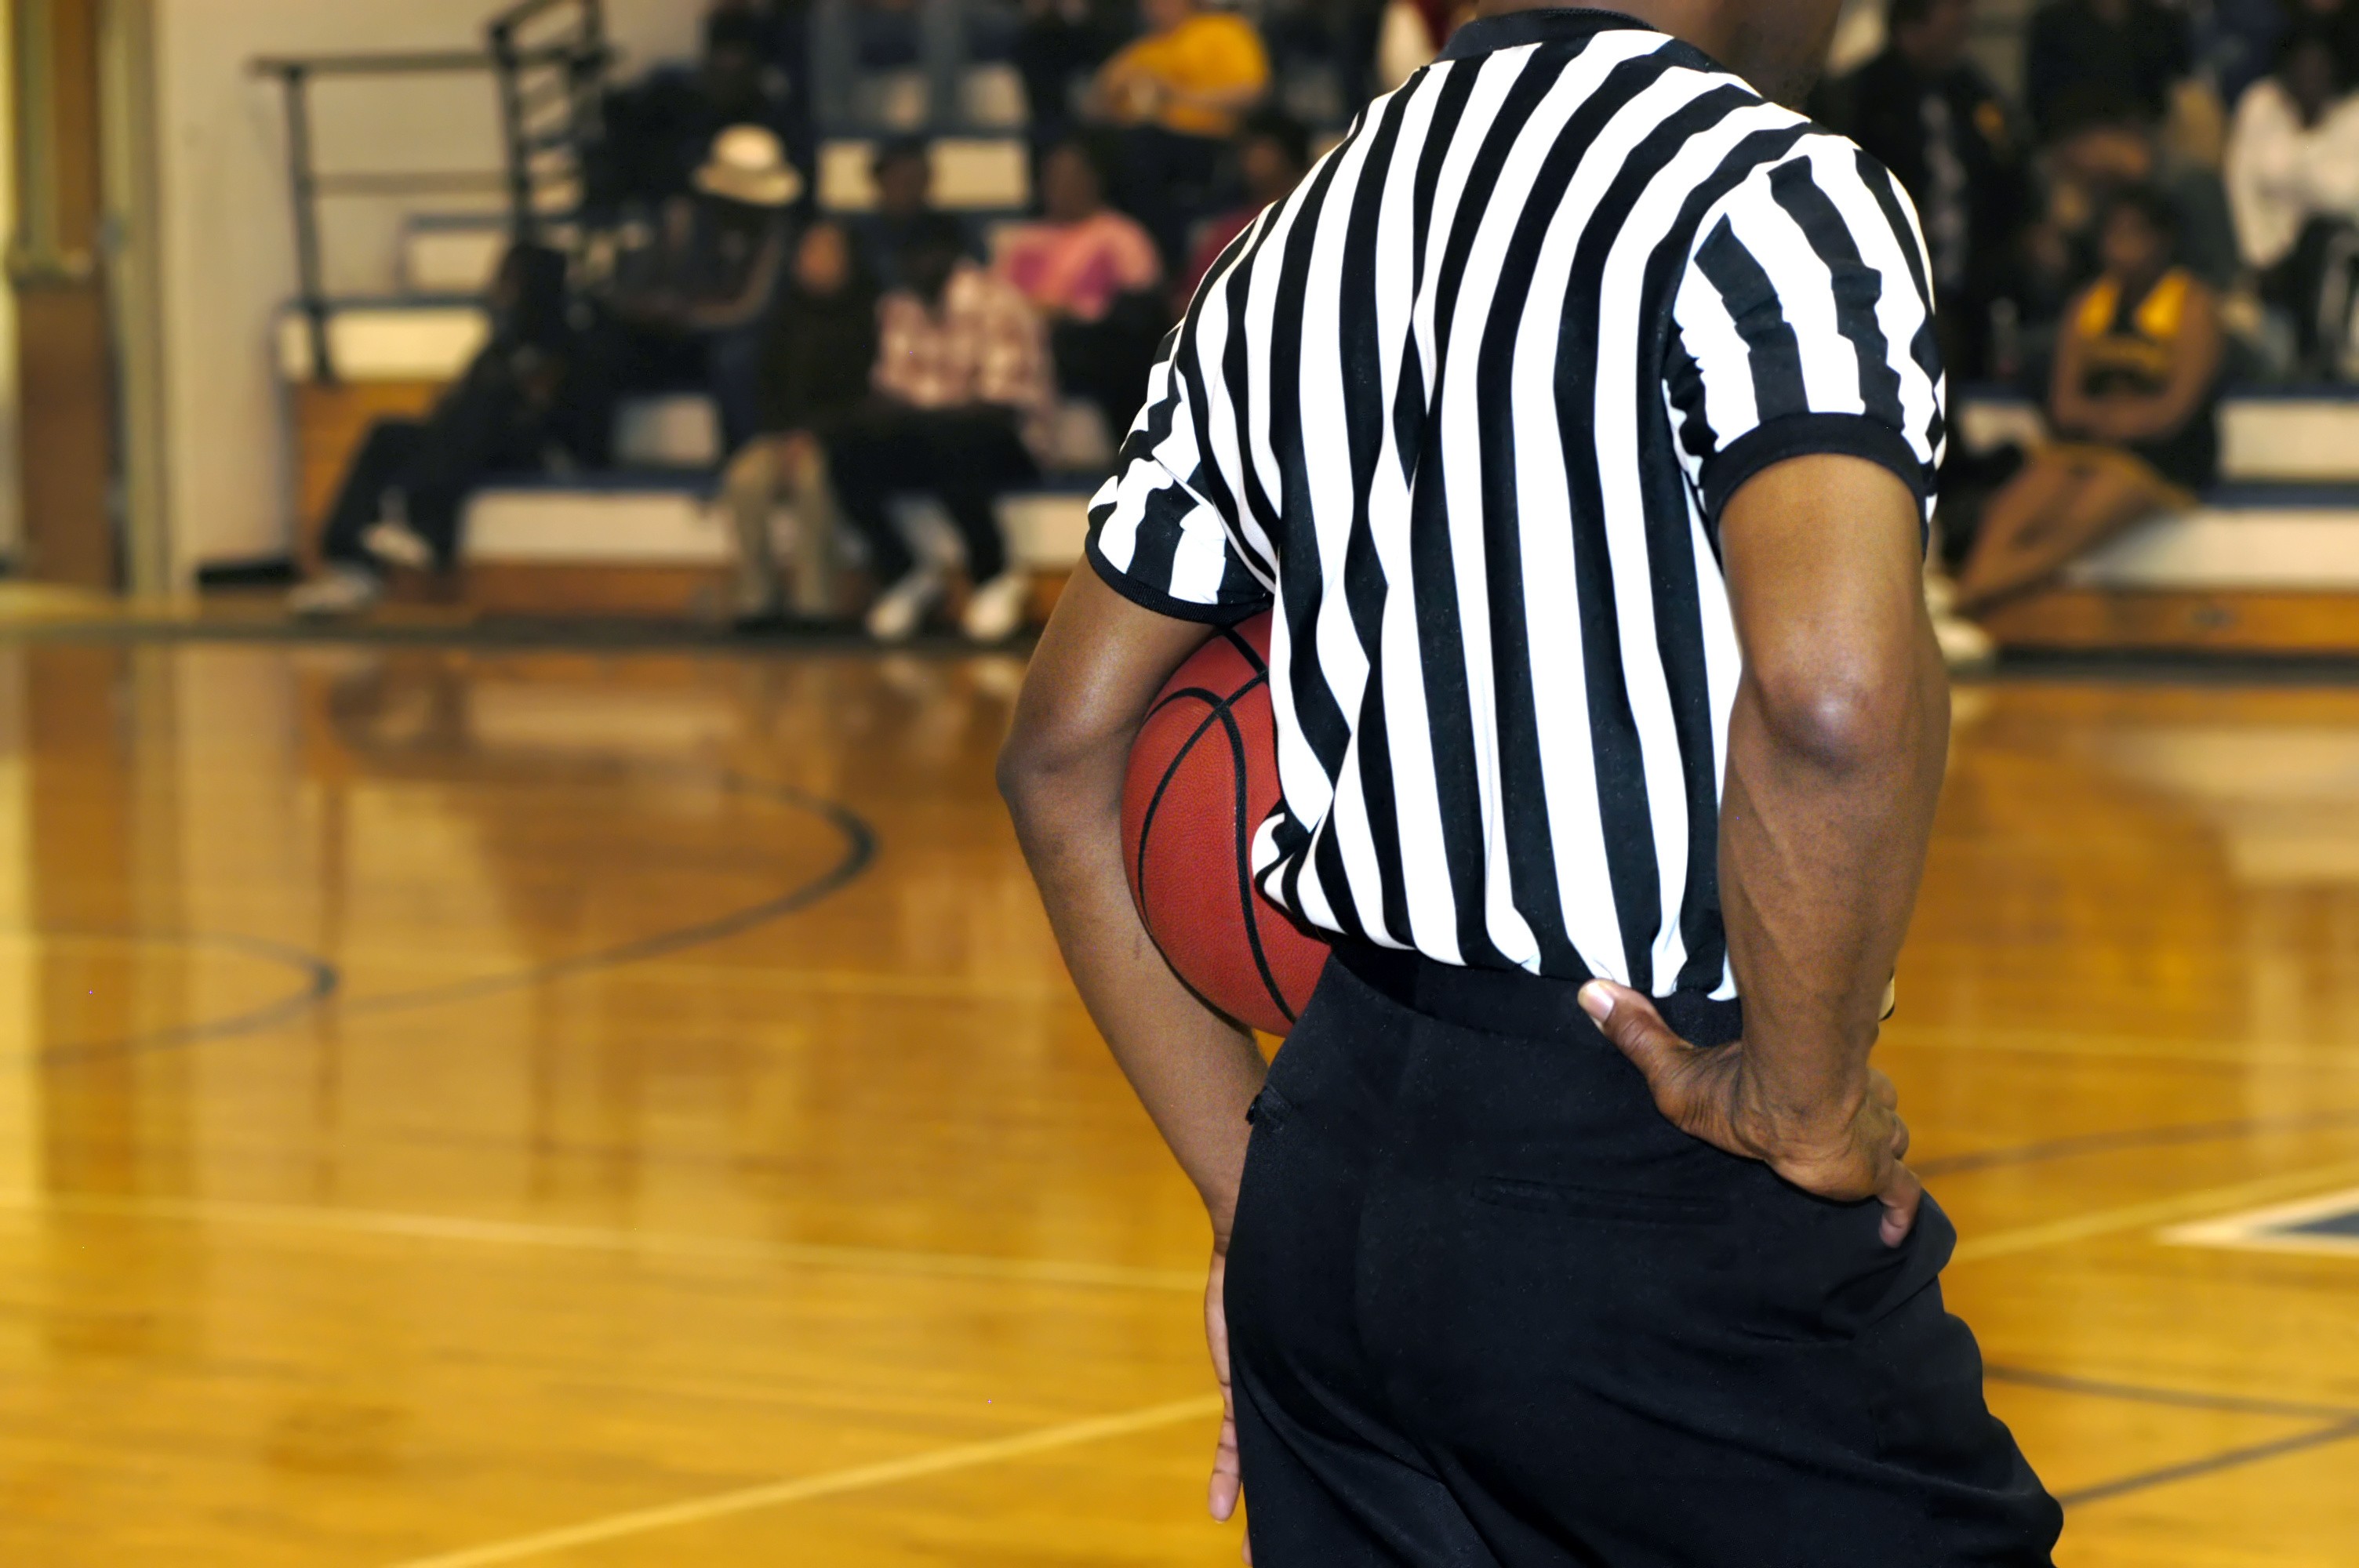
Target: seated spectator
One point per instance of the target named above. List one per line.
(1058, 51)
(688, 305)
(1273, 155)
(1092, 275)
(660, 131)
(2134, 403)
(962, 395)
(525, 397)
(2339, 20)
(819, 352)
(2133, 50)
(2293, 179)
(2235, 42)
(905, 217)
(1178, 96)
(1338, 37)
(2105, 145)
(1925, 112)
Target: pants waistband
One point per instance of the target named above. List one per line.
(1507, 1001)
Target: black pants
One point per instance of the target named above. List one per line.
(1488, 1308)
(968, 456)
(399, 455)
(1109, 362)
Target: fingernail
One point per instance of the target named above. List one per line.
(1597, 1001)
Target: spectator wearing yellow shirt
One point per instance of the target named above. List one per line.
(1178, 96)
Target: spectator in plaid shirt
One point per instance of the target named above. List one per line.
(964, 395)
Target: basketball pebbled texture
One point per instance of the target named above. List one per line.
(1204, 778)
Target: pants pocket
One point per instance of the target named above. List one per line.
(1629, 1205)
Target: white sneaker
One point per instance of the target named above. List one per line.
(996, 607)
(1965, 647)
(398, 545)
(342, 590)
(901, 609)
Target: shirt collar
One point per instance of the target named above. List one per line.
(1488, 34)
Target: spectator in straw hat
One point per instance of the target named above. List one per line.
(690, 301)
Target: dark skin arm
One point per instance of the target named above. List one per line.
(1099, 665)
(1835, 753)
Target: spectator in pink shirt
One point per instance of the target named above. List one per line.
(1095, 278)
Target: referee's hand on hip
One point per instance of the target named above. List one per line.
(1849, 1150)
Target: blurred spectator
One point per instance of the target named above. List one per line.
(905, 217)
(1273, 155)
(1059, 50)
(1926, 113)
(658, 131)
(963, 397)
(2134, 403)
(2293, 177)
(2103, 146)
(2339, 20)
(1338, 37)
(2133, 50)
(689, 301)
(1092, 275)
(1178, 93)
(818, 353)
(525, 397)
(2237, 41)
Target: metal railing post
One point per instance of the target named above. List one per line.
(304, 182)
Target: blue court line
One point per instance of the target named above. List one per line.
(860, 847)
(2133, 1138)
(860, 850)
(2300, 1443)
(321, 980)
(2342, 1425)
(2182, 1398)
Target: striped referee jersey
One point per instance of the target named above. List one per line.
(1465, 410)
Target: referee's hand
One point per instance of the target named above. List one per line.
(1850, 1154)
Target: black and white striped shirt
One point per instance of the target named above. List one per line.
(1466, 408)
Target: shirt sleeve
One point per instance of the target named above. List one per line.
(1804, 325)
(1154, 538)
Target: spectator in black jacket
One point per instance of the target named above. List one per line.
(1925, 112)
(2131, 49)
(659, 129)
(818, 354)
(525, 397)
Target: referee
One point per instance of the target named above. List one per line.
(1579, 417)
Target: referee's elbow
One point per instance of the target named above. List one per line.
(1846, 708)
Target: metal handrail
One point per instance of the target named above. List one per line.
(580, 56)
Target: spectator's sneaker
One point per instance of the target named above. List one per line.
(396, 544)
(341, 591)
(996, 607)
(901, 609)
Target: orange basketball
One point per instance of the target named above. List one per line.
(1204, 777)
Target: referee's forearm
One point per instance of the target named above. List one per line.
(1825, 822)
(1195, 1072)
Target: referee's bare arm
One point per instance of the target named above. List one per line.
(1099, 666)
(1835, 755)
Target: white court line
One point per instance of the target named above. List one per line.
(2266, 1230)
(658, 1245)
(833, 1484)
(2161, 1211)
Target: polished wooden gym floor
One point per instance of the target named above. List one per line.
(466, 1106)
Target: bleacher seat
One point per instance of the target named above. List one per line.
(2269, 562)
